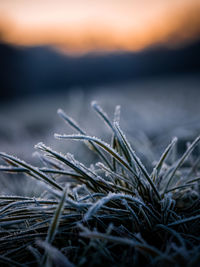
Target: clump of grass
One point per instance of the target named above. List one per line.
(115, 212)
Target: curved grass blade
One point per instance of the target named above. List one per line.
(178, 187)
(164, 155)
(64, 159)
(193, 180)
(190, 219)
(102, 114)
(93, 181)
(172, 232)
(114, 142)
(54, 256)
(124, 241)
(105, 118)
(45, 170)
(102, 144)
(112, 196)
(56, 218)
(54, 225)
(138, 161)
(115, 174)
(34, 171)
(74, 125)
(181, 161)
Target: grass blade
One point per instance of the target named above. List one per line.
(181, 161)
(138, 161)
(56, 218)
(164, 155)
(35, 171)
(74, 125)
(102, 144)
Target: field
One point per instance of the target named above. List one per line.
(126, 194)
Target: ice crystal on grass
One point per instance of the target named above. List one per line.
(118, 211)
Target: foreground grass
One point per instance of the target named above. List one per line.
(115, 212)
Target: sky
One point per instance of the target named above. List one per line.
(79, 26)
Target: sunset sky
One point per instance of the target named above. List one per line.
(90, 25)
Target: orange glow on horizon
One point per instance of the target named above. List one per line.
(89, 25)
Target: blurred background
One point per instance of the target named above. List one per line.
(49, 46)
(143, 55)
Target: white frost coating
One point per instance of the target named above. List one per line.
(60, 111)
(80, 165)
(58, 194)
(111, 196)
(71, 121)
(101, 143)
(70, 159)
(52, 251)
(137, 160)
(165, 154)
(102, 114)
(39, 145)
(99, 109)
(117, 114)
(113, 175)
(22, 163)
